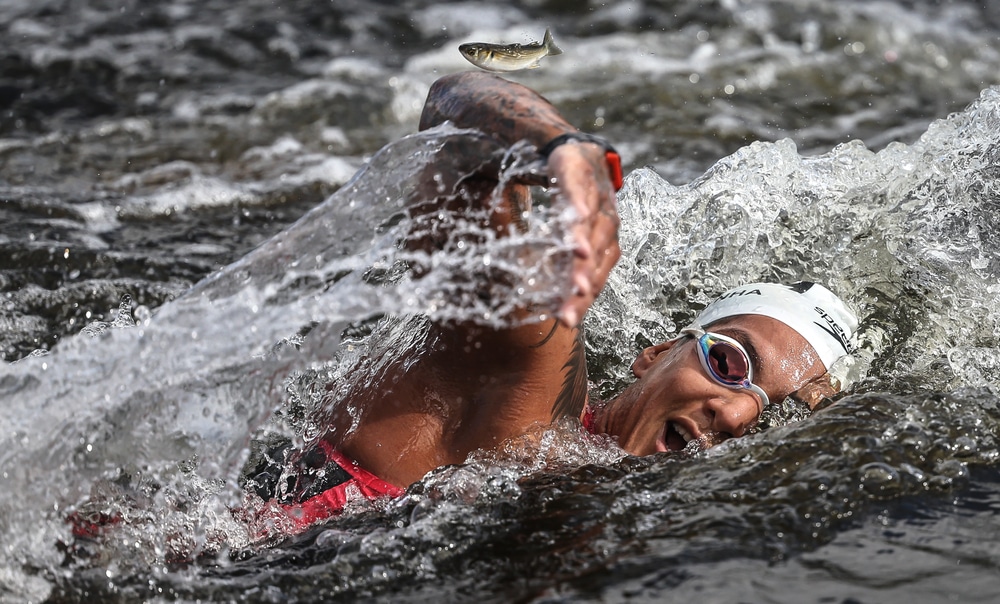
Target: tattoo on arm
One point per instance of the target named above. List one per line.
(573, 394)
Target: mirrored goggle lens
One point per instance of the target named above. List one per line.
(728, 362)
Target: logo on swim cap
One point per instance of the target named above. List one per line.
(835, 330)
(813, 311)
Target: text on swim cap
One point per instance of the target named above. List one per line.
(742, 292)
(833, 328)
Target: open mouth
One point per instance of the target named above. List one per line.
(675, 437)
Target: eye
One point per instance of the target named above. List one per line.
(728, 362)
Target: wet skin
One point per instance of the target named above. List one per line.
(473, 388)
(673, 399)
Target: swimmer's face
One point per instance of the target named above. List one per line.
(674, 400)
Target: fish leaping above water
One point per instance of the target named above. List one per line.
(509, 57)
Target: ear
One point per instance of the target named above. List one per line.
(647, 357)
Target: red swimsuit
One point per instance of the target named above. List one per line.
(332, 501)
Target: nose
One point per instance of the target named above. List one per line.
(734, 412)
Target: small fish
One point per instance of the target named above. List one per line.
(509, 57)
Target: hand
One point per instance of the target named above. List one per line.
(817, 391)
(578, 173)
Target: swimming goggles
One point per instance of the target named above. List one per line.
(725, 361)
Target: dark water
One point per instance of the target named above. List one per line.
(145, 146)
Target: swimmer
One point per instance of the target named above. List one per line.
(754, 346)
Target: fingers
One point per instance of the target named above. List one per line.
(605, 263)
(816, 391)
(579, 173)
(591, 269)
(605, 233)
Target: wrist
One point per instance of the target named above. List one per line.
(611, 156)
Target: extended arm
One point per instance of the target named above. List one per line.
(475, 386)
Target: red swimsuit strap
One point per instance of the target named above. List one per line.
(332, 501)
(373, 486)
(588, 419)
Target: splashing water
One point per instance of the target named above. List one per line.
(151, 418)
(907, 235)
(763, 213)
(234, 340)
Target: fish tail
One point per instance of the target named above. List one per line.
(550, 44)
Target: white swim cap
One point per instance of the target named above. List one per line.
(815, 312)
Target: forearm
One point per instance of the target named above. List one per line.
(505, 110)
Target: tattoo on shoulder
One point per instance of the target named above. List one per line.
(573, 394)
